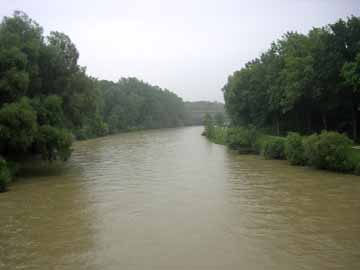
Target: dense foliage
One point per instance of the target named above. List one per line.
(47, 99)
(294, 149)
(133, 104)
(273, 148)
(208, 125)
(304, 83)
(241, 138)
(328, 150)
(196, 111)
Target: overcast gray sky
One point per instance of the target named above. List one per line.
(187, 46)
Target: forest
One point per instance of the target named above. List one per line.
(303, 83)
(47, 100)
(196, 111)
(298, 101)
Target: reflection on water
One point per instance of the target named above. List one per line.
(169, 199)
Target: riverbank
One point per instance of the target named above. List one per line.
(327, 151)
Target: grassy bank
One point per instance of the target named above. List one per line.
(328, 150)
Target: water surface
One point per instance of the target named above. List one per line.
(169, 199)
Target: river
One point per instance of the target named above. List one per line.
(170, 199)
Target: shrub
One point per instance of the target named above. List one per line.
(309, 148)
(219, 135)
(238, 138)
(49, 110)
(209, 125)
(294, 149)
(54, 143)
(5, 176)
(354, 156)
(329, 150)
(219, 119)
(273, 148)
(17, 125)
(92, 128)
(210, 131)
(260, 142)
(99, 127)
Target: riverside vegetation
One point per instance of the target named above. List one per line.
(328, 150)
(304, 83)
(298, 100)
(47, 100)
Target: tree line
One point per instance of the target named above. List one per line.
(47, 100)
(197, 110)
(303, 82)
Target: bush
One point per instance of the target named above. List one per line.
(309, 148)
(273, 148)
(209, 125)
(209, 131)
(329, 150)
(54, 143)
(49, 110)
(99, 127)
(238, 138)
(219, 135)
(354, 156)
(5, 176)
(260, 142)
(17, 126)
(294, 149)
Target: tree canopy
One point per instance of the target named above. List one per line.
(47, 100)
(303, 82)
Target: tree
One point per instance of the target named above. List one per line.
(351, 74)
(49, 110)
(53, 143)
(298, 72)
(273, 61)
(47, 98)
(131, 103)
(209, 125)
(345, 37)
(20, 43)
(304, 82)
(326, 65)
(18, 126)
(219, 119)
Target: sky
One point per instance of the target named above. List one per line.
(187, 46)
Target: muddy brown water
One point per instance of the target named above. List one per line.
(169, 199)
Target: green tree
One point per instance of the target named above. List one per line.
(351, 74)
(219, 119)
(304, 82)
(18, 126)
(53, 143)
(209, 125)
(49, 110)
(20, 43)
